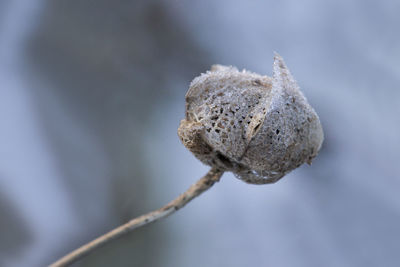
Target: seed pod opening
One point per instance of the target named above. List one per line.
(258, 127)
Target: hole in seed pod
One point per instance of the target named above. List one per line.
(257, 126)
(215, 117)
(217, 130)
(277, 131)
(257, 82)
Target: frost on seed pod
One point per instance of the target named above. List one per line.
(258, 127)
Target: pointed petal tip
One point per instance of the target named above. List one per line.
(281, 74)
(278, 60)
(279, 65)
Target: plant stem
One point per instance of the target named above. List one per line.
(208, 180)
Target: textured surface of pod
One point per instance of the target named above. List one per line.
(258, 127)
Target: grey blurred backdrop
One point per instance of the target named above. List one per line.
(91, 95)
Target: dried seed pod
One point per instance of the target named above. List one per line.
(258, 127)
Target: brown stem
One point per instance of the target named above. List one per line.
(208, 180)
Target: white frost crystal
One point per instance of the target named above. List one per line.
(258, 127)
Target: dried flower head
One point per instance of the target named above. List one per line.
(258, 127)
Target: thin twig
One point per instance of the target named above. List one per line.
(194, 190)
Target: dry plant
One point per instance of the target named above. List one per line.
(258, 127)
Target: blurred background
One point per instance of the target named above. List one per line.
(91, 95)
